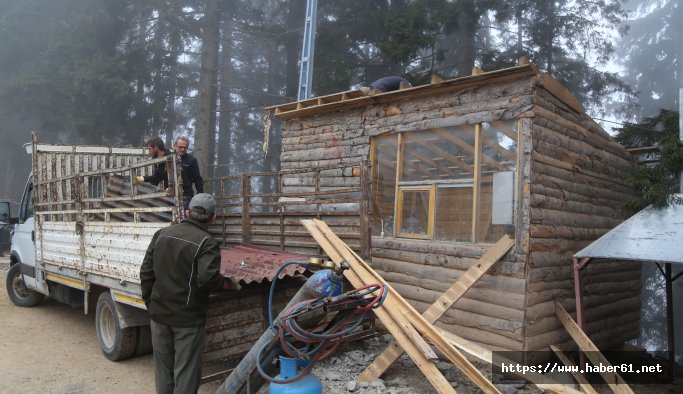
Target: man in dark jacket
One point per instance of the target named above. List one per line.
(190, 171)
(156, 149)
(180, 269)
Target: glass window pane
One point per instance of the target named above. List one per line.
(438, 154)
(415, 212)
(454, 213)
(383, 188)
(498, 179)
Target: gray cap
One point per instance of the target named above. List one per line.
(203, 204)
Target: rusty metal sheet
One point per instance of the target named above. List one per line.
(652, 235)
(250, 263)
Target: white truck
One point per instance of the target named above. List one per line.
(82, 232)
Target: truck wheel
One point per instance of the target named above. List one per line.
(116, 343)
(17, 290)
(144, 344)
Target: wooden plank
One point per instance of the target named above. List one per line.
(477, 182)
(486, 355)
(397, 306)
(427, 367)
(583, 383)
(442, 304)
(613, 379)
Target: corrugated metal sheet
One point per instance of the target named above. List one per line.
(250, 263)
(650, 235)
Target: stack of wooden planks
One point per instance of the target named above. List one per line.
(411, 330)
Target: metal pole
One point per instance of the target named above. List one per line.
(307, 51)
(680, 120)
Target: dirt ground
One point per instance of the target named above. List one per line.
(52, 348)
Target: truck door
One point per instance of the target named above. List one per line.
(23, 241)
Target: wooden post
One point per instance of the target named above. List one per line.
(670, 317)
(246, 217)
(364, 210)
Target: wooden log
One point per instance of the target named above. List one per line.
(398, 307)
(581, 233)
(545, 165)
(550, 217)
(492, 340)
(438, 247)
(613, 379)
(457, 263)
(411, 274)
(605, 333)
(556, 192)
(488, 307)
(591, 154)
(444, 302)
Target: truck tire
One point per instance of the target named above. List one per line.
(144, 344)
(17, 290)
(116, 343)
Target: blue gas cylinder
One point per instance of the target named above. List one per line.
(326, 283)
(289, 367)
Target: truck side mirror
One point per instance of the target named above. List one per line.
(5, 212)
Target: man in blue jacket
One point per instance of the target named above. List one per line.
(180, 269)
(190, 171)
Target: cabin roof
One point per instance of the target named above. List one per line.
(356, 98)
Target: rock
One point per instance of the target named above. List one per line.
(363, 385)
(352, 385)
(454, 384)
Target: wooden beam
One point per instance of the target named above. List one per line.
(398, 307)
(499, 149)
(465, 146)
(427, 367)
(486, 355)
(476, 203)
(580, 379)
(453, 159)
(613, 379)
(437, 309)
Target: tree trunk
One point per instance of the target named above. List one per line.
(206, 108)
(467, 21)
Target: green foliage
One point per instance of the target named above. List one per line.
(656, 184)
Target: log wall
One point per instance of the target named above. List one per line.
(577, 188)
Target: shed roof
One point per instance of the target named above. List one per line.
(652, 235)
(250, 263)
(356, 98)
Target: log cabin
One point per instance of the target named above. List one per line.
(450, 167)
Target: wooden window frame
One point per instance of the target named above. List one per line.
(430, 213)
(432, 185)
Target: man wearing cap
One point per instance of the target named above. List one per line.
(180, 269)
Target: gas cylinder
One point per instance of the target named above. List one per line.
(326, 283)
(289, 367)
